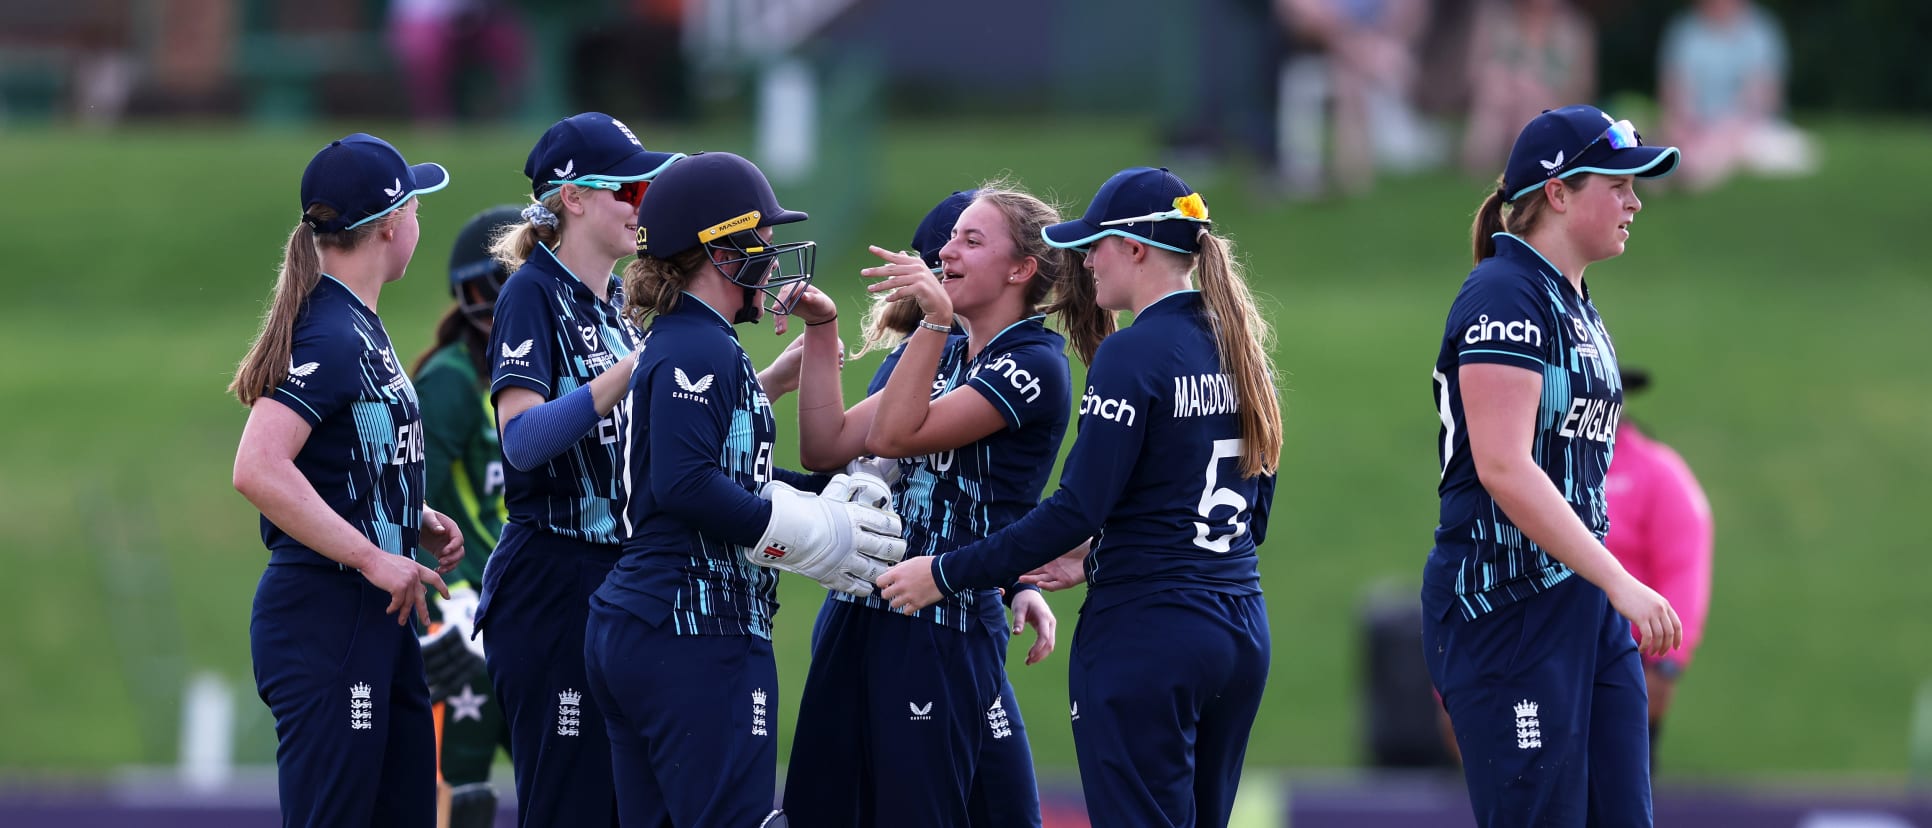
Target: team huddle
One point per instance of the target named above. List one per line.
(604, 441)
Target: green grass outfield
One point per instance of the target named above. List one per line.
(1785, 321)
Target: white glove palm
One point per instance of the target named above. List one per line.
(841, 544)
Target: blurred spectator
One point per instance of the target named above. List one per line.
(1660, 530)
(1356, 53)
(1722, 67)
(435, 41)
(1525, 56)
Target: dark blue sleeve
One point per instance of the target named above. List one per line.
(1264, 502)
(1501, 318)
(1024, 385)
(1097, 470)
(523, 340)
(689, 421)
(884, 373)
(324, 371)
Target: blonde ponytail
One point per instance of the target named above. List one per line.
(1244, 339)
(513, 245)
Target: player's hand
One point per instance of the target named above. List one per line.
(403, 578)
(1030, 607)
(442, 538)
(1658, 629)
(813, 307)
(908, 586)
(1069, 570)
(909, 279)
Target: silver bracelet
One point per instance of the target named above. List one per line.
(934, 326)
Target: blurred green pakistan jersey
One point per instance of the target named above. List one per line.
(464, 463)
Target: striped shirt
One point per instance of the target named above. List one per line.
(552, 335)
(1518, 309)
(954, 497)
(364, 454)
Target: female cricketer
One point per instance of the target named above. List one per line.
(561, 351)
(1172, 474)
(979, 419)
(332, 456)
(1537, 668)
(678, 645)
(464, 468)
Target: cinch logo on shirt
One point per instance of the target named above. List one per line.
(1487, 331)
(1116, 410)
(1023, 380)
(1591, 419)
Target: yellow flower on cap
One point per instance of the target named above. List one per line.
(1192, 206)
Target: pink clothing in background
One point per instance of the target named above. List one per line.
(1660, 529)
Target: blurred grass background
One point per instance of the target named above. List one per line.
(1785, 322)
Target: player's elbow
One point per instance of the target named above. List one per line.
(886, 445)
(817, 459)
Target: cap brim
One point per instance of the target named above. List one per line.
(1071, 234)
(1642, 162)
(428, 178)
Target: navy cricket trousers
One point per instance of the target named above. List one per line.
(355, 741)
(894, 717)
(1548, 700)
(693, 720)
(1164, 691)
(536, 596)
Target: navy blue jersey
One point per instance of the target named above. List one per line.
(553, 335)
(364, 454)
(1154, 474)
(1518, 309)
(955, 497)
(699, 434)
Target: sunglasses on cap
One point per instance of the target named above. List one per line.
(1620, 135)
(629, 192)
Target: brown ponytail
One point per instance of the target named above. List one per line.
(654, 286)
(266, 363)
(455, 326)
(1059, 286)
(1244, 339)
(1518, 217)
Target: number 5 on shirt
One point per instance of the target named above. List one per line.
(1212, 496)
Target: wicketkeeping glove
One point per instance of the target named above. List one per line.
(450, 656)
(841, 544)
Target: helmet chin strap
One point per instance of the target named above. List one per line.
(748, 313)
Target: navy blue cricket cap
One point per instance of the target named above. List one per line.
(704, 198)
(1149, 205)
(937, 227)
(363, 178)
(1580, 139)
(589, 148)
